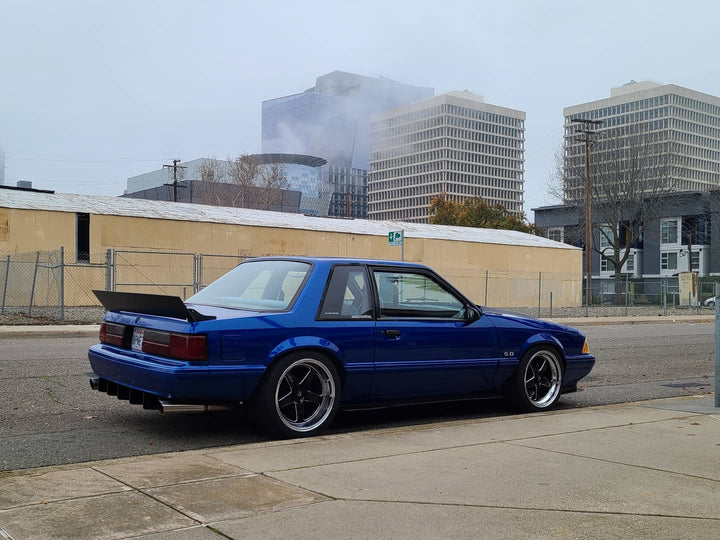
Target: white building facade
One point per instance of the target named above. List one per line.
(453, 144)
(674, 131)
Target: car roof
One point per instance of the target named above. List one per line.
(341, 260)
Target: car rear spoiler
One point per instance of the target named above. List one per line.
(149, 304)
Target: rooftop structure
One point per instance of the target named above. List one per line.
(302, 173)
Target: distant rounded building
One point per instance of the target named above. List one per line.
(303, 174)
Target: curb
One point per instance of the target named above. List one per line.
(41, 331)
(630, 320)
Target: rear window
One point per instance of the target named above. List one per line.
(256, 286)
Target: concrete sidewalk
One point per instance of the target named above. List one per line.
(87, 330)
(640, 470)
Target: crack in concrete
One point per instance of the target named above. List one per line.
(610, 461)
(142, 492)
(469, 445)
(532, 508)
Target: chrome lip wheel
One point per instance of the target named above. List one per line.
(542, 379)
(305, 395)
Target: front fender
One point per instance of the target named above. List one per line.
(542, 339)
(509, 363)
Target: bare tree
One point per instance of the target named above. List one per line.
(213, 174)
(272, 180)
(243, 172)
(631, 173)
(242, 181)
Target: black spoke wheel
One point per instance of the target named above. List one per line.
(299, 397)
(537, 382)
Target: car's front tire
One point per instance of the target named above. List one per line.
(299, 397)
(536, 384)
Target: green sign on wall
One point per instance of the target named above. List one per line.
(395, 238)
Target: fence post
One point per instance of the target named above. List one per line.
(689, 300)
(539, 291)
(7, 274)
(550, 305)
(62, 283)
(196, 264)
(108, 269)
(664, 288)
(32, 291)
(627, 288)
(717, 354)
(486, 287)
(114, 269)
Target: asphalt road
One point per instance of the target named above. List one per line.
(49, 415)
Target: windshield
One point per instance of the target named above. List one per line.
(256, 286)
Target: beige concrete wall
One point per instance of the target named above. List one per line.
(512, 270)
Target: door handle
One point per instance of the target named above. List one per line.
(391, 333)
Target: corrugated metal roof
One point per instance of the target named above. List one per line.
(122, 206)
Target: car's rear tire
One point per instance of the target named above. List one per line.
(711, 304)
(299, 396)
(536, 383)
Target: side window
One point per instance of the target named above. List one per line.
(347, 295)
(405, 294)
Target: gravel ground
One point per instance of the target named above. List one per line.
(94, 314)
(73, 315)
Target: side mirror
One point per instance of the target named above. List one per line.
(472, 314)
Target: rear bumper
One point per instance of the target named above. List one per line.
(161, 377)
(174, 380)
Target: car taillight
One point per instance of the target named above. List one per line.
(112, 334)
(172, 345)
(188, 347)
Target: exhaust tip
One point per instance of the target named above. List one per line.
(95, 383)
(167, 407)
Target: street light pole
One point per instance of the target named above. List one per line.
(586, 123)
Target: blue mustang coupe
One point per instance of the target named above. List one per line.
(297, 338)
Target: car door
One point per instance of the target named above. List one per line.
(346, 320)
(428, 340)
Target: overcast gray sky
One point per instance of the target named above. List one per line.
(92, 92)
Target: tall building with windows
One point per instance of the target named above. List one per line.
(666, 132)
(332, 120)
(454, 144)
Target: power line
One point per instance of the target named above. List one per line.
(174, 184)
(9, 157)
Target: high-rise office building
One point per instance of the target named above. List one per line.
(453, 144)
(666, 133)
(332, 120)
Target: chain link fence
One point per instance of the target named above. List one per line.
(32, 284)
(58, 285)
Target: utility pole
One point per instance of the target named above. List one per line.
(587, 132)
(174, 184)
